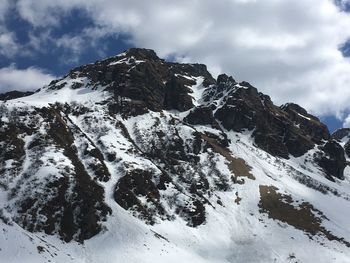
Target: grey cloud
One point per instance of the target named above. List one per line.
(4, 6)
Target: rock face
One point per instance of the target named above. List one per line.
(341, 134)
(278, 130)
(157, 135)
(139, 183)
(141, 76)
(14, 95)
(202, 116)
(158, 85)
(65, 201)
(333, 161)
(309, 124)
(152, 83)
(347, 148)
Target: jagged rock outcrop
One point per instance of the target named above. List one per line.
(309, 124)
(333, 160)
(51, 190)
(347, 148)
(140, 75)
(278, 130)
(139, 183)
(340, 134)
(14, 95)
(343, 135)
(202, 116)
(154, 84)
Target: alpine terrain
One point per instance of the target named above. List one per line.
(136, 159)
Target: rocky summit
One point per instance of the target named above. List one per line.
(137, 159)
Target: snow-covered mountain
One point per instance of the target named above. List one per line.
(136, 159)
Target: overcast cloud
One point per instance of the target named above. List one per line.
(288, 49)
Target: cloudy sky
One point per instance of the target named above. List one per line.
(292, 50)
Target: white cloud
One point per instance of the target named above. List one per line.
(346, 122)
(75, 45)
(29, 79)
(8, 45)
(287, 48)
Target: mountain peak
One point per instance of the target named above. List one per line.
(134, 146)
(142, 53)
(340, 134)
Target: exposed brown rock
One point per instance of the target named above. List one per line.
(303, 216)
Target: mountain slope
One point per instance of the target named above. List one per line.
(135, 159)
